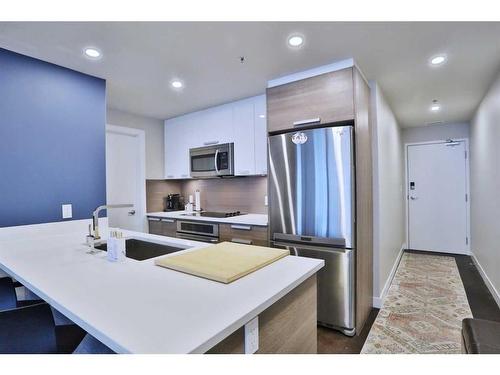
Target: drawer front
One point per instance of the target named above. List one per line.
(154, 225)
(162, 226)
(246, 234)
(317, 100)
(168, 227)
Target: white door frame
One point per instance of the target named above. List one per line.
(467, 186)
(141, 137)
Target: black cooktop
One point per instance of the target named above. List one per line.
(220, 214)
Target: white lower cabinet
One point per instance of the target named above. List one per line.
(239, 122)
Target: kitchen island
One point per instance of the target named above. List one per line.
(136, 307)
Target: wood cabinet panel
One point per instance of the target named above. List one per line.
(364, 201)
(286, 327)
(248, 234)
(169, 227)
(328, 97)
(154, 226)
(162, 227)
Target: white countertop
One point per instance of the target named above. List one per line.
(246, 219)
(137, 307)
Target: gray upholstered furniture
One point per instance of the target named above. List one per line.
(480, 336)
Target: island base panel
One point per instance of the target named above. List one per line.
(287, 327)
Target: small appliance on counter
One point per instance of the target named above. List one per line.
(174, 202)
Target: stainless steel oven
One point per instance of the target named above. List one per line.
(198, 231)
(212, 161)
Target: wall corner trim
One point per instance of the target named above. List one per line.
(379, 301)
(494, 292)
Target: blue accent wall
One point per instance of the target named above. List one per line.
(52, 141)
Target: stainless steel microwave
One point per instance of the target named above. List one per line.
(212, 161)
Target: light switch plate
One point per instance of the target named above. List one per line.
(252, 336)
(67, 211)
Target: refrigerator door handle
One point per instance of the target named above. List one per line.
(320, 249)
(333, 241)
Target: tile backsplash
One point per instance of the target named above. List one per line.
(245, 194)
(157, 190)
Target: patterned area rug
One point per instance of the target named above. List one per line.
(423, 310)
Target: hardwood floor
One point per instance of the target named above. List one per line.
(334, 342)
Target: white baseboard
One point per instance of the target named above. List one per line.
(486, 280)
(379, 301)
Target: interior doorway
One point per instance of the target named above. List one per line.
(126, 177)
(438, 196)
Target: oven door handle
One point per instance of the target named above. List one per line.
(186, 236)
(215, 161)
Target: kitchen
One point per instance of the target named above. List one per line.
(230, 222)
(237, 146)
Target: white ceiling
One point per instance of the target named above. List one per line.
(140, 59)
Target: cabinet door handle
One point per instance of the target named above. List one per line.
(242, 241)
(309, 121)
(210, 143)
(154, 219)
(168, 220)
(241, 227)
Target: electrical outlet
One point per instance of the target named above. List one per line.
(252, 336)
(67, 211)
(265, 200)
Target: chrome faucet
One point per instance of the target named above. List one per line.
(94, 231)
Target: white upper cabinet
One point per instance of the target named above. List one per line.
(176, 149)
(239, 122)
(214, 126)
(260, 136)
(244, 141)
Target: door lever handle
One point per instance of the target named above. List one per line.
(131, 213)
(413, 198)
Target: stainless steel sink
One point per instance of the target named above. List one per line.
(142, 250)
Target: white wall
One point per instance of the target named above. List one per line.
(154, 139)
(436, 132)
(485, 186)
(388, 192)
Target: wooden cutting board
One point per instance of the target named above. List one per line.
(224, 262)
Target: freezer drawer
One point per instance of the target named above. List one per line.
(335, 284)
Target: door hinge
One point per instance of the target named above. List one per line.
(465, 154)
(466, 197)
(466, 240)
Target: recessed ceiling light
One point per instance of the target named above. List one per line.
(438, 60)
(176, 84)
(93, 53)
(435, 106)
(295, 41)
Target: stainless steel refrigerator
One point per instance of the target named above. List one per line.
(312, 211)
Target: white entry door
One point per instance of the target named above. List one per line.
(125, 177)
(437, 197)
